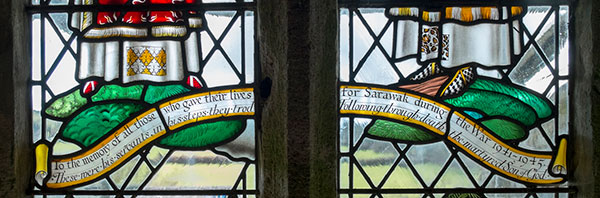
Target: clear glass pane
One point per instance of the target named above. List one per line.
(563, 40)
(36, 72)
(58, 2)
(563, 107)
(36, 113)
(344, 37)
(546, 40)
(344, 135)
(344, 173)
(196, 170)
(249, 44)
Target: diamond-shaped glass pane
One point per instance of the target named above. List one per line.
(97, 186)
(218, 72)
(546, 40)
(534, 17)
(501, 182)
(196, 170)
(120, 176)
(377, 69)
(532, 72)
(478, 172)
(428, 159)
(536, 141)
(402, 177)
(376, 158)
(63, 77)
(454, 177)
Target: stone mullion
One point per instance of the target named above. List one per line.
(324, 67)
(272, 114)
(298, 82)
(298, 52)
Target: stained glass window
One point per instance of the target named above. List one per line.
(454, 99)
(143, 98)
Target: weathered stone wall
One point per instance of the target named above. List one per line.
(585, 101)
(15, 152)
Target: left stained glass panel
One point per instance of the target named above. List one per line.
(157, 102)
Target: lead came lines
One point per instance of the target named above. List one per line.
(464, 133)
(133, 136)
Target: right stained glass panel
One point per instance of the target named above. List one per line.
(454, 101)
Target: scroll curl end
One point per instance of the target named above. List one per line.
(41, 165)
(560, 162)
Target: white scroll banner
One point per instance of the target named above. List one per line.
(458, 129)
(142, 130)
